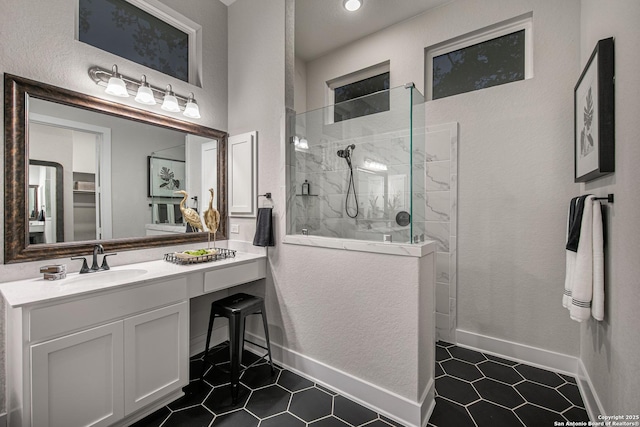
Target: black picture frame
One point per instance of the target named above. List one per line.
(158, 187)
(594, 119)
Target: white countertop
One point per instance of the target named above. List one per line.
(38, 290)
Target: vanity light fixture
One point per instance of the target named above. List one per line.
(145, 94)
(352, 5)
(123, 86)
(170, 102)
(116, 85)
(191, 109)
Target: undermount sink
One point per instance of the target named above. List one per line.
(108, 276)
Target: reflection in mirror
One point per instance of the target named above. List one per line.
(101, 192)
(46, 211)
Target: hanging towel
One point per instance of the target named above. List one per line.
(584, 280)
(264, 228)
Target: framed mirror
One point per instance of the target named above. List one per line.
(105, 182)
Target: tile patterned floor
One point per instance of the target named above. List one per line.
(282, 400)
(474, 389)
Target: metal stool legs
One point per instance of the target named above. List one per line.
(236, 308)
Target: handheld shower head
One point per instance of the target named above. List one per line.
(346, 153)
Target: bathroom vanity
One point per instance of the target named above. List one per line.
(106, 348)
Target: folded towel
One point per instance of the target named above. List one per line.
(264, 228)
(584, 280)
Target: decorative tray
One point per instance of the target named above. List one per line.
(182, 258)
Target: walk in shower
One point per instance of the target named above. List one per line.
(360, 175)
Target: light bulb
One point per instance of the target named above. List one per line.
(145, 94)
(116, 85)
(352, 5)
(170, 102)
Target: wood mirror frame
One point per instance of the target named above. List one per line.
(16, 167)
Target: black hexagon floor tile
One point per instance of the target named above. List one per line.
(239, 418)
(349, 411)
(293, 382)
(466, 354)
(493, 392)
(462, 370)
(456, 390)
(500, 372)
(196, 416)
(194, 394)
(330, 421)
(268, 401)
(487, 414)
(539, 375)
(259, 376)
(499, 393)
(449, 414)
(311, 404)
(543, 396)
(506, 398)
(283, 420)
(220, 402)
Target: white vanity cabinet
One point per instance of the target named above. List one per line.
(94, 360)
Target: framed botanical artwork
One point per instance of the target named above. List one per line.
(166, 176)
(594, 140)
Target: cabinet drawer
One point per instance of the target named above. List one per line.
(81, 313)
(231, 276)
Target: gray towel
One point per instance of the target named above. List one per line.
(264, 228)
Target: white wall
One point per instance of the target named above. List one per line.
(37, 42)
(515, 163)
(610, 349)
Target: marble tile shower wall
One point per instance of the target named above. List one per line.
(441, 198)
(323, 211)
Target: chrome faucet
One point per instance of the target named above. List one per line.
(97, 249)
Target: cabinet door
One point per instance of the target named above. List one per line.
(156, 354)
(77, 380)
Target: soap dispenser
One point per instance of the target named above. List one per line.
(306, 188)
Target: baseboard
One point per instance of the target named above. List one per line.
(535, 356)
(196, 343)
(3, 419)
(592, 402)
(385, 402)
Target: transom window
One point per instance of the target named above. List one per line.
(158, 39)
(360, 94)
(492, 57)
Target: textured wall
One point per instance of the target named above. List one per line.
(37, 42)
(610, 349)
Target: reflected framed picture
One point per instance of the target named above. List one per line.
(166, 176)
(594, 133)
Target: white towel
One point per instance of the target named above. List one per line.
(584, 280)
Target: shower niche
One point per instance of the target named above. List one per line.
(359, 178)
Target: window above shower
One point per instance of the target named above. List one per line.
(358, 94)
(497, 55)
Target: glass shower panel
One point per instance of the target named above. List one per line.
(354, 178)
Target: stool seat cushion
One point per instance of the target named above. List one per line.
(239, 302)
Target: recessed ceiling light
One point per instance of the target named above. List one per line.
(352, 5)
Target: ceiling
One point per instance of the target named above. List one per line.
(324, 25)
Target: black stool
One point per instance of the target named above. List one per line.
(235, 308)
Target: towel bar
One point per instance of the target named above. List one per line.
(609, 198)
